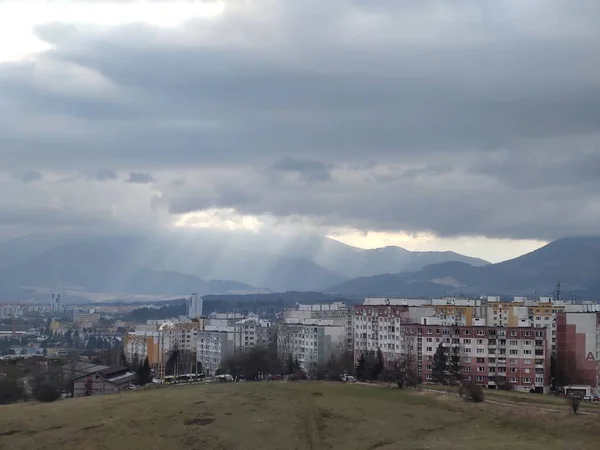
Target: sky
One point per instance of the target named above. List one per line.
(465, 125)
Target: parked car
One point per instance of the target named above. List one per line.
(348, 379)
(225, 378)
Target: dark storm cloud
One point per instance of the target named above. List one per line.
(30, 175)
(140, 178)
(306, 169)
(454, 120)
(105, 175)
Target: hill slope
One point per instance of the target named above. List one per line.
(307, 416)
(353, 262)
(575, 262)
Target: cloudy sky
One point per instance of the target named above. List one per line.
(471, 125)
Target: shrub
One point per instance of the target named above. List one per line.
(11, 390)
(506, 386)
(45, 393)
(473, 392)
(575, 402)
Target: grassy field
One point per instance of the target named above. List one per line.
(550, 401)
(285, 415)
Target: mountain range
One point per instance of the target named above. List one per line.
(99, 267)
(574, 262)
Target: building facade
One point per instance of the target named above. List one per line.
(251, 333)
(194, 306)
(141, 345)
(578, 349)
(341, 315)
(489, 356)
(214, 345)
(310, 341)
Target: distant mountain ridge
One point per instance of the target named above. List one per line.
(209, 263)
(575, 262)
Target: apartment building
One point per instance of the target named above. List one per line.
(489, 355)
(86, 320)
(223, 319)
(310, 341)
(178, 335)
(378, 324)
(341, 314)
(214, 345)
(193, 306)
(172, 335)
(250, 333)
(141, 345)
(463, 312)
(578, 347)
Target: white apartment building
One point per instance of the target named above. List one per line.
(341, 315)
(176, 335)
(310, 341)
(223, 319)
(379, 324)
(194, 306)
(214, 345)
(250, 333)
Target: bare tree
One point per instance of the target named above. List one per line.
(402, 370)
(287, 347)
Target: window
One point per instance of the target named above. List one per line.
(512, 361)
(481, 350)
(526, 361)
(526, 333)
(527, 342)
(480, 360)
(479, 341)
(513, 343)
(514, 352)
(429, 349)
(513, 379)
(467, 350)
(513, 333)
(429, 339)
(513, 370)
(526, 380)
(466, 341)
(481, 369)
(480, 378)
(428, 330)
(467, 332)
(527, 352)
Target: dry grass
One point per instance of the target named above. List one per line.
(550, 401)
(283, 415)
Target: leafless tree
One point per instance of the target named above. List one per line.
(287, 346)
(402, 371)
